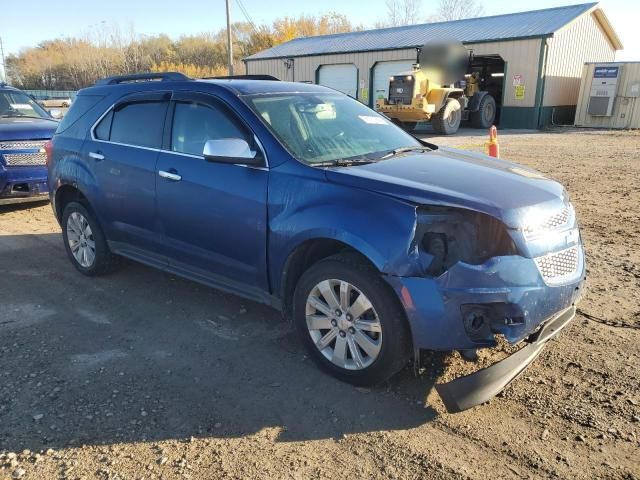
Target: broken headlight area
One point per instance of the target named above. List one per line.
(446, 236)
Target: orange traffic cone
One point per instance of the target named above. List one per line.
(493, 148)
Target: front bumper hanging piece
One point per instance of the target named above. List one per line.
(479, 387)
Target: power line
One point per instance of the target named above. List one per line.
(246, 15)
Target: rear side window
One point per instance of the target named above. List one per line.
(139, 124)
(81, 105)
(195, 123)
(103, 130)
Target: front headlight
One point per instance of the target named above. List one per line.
(446, 236)
(540, 222)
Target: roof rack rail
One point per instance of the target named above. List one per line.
(244, 77)
(143, 77)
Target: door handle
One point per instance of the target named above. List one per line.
(170, 176)
(96, 155)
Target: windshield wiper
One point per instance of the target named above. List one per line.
(343, 162)
(397, 151)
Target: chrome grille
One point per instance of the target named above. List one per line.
(560, 267)
(23, 145)
(25, 159)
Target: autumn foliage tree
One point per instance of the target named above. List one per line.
(74, 63)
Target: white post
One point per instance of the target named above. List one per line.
(4, 65)
(229, 44)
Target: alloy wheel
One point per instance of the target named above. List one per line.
(80, 239)
(343, 324)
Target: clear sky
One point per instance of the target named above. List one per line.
(25, 24)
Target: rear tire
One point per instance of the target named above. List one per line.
(409, 126)
(84, 241)
(447, 120)
(369, 340)
(486, 114)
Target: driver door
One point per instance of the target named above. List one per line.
(212, 216)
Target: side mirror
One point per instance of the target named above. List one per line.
(230, 150)
(55, 113)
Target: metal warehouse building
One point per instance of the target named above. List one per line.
(535, 59)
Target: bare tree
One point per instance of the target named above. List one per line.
(456, 10)
(401, 12)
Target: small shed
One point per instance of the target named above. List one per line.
(609, 95)
(535, 59)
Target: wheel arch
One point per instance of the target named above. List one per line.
(64, 194)
(305, 254)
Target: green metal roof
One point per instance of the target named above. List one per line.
(536, 23)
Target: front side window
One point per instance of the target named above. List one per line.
(324, 127)
(139, 124)
(194, 123)
(18, 104)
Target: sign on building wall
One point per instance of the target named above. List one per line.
(364, 92)
(605, 72)
(518, 87)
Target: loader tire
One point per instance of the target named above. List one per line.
(447, 120)
(486, 114)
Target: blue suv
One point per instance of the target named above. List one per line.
(25, 128)
(374, 243)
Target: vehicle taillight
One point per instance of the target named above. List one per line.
(48, 150)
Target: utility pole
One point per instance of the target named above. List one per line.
(229, 44)
(4, 65)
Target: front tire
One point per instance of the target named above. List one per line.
(447, 120)
(350, 321)
(84, 241)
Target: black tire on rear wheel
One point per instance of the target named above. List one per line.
(486, 113)
(395, 349)
(104, 261)
(447, 120)
(409, 126)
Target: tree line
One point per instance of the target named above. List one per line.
(77, 62)
(74, 63)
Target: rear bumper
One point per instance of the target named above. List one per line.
(21, 184)
(479, 387)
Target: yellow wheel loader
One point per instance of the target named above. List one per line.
(426, 93)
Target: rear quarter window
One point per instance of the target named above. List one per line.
(82, 105)
(140, 124)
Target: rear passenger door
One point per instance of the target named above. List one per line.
(213, 216)
(122, 152)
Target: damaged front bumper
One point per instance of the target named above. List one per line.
(510, 297)
(479, 387)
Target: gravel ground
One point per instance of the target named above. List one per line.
(143, 375)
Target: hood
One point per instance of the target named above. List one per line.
(20, 128)
(456, 178)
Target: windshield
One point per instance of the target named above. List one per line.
(18, 104)
(323, 127)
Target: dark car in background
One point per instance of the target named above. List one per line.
(25, 128)
(374, 243)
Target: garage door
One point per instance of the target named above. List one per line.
(381, 73)
(343, 78)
